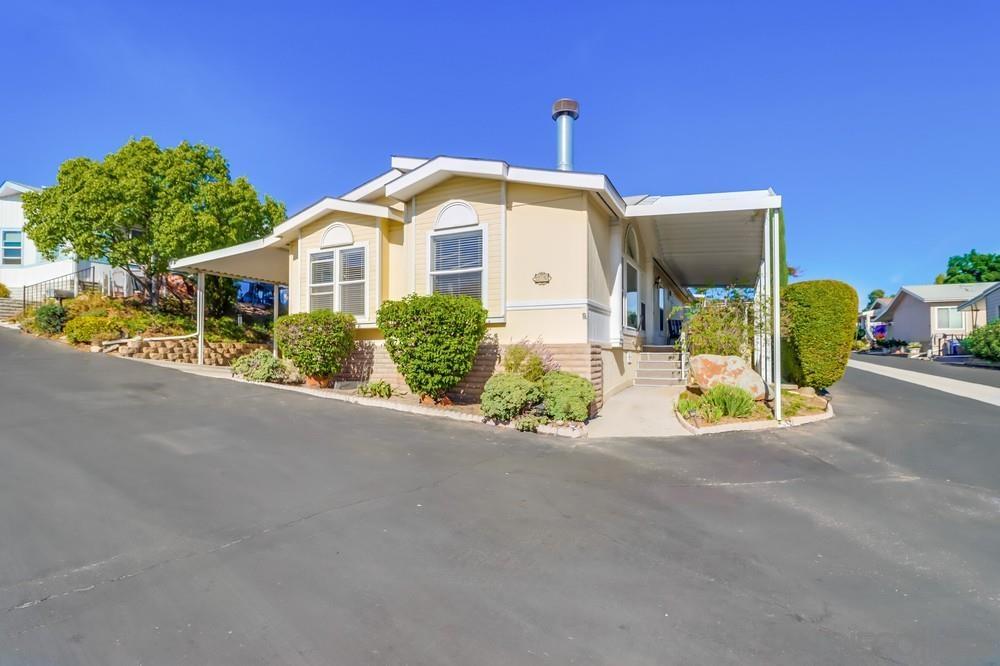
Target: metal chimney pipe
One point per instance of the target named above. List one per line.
(564, 112)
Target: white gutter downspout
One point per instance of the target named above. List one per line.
(503, 249)
(776, 307)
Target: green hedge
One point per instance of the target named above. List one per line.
(821, 318)
(92, 330)
(984, 342)
(508, 395)
(317, 343)
(259, 366)
(433, 339)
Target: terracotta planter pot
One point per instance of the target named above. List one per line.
(318, 382)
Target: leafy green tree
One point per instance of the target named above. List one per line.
(971, 267)
(873, 296)
(145, 206)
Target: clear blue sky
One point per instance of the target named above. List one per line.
(877, 121)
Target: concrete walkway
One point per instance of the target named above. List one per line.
(971, 390)
(639, 411)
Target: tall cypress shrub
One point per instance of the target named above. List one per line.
(821, 319)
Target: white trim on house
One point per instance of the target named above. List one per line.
(560, 304)
(404, 163)
(456, 214)
(439, 169)
(372, 188)
(484, 269)
(337, 282)
(331, 205)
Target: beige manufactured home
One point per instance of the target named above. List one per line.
(553, 254)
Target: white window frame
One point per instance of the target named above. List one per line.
(948, 328)
(634, 263)
(483, 229)
(4, 246)
(336, 284)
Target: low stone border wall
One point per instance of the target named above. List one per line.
(754, 425)
(185, 350)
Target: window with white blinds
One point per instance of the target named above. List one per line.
(337, 281)
(457, 264)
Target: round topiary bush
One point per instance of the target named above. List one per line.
(317, 343)
(433, 339)
(91, 330)
(508, 395)
(567, 397)
(259, 366)
(4, 291)
(984, 342)
(821, 318)
(50, 318)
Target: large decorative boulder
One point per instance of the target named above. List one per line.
(708, 370)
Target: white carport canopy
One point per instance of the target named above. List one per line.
(707, 240)
(262, 260)
(721, 240)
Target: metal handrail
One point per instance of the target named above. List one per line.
(40, 292)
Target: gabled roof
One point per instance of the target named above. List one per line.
(938, 293)
(9, 187)
(441, 168)
(330, 205)
(968, 305)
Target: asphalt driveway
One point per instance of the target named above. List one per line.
(155, 517)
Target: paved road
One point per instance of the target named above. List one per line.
(987, 376)
(149, 516)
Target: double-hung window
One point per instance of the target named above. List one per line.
(457, 263)
(337, 281)
(11, 247)
(950, 318)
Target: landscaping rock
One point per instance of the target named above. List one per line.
(708, 370)
(807, 391)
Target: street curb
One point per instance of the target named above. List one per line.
(570, 432)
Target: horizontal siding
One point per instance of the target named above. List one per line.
(484, 197)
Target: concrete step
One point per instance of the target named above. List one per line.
(659, 356)
(658, 374)
(659, 348)
(660, 364)
(659, 382)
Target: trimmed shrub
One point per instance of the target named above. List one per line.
(508, 395)
(4, 291)
(259, 366)
(567, 397)
(50, 318)
(376, 389)
(317, 343)
(821, 317)
(433, 339)
(730, 400)
(984, 342)
(91, 330)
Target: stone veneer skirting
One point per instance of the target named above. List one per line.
(186, 350)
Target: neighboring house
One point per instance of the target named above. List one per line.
(21, 265)
(930, 314)
(867, 317)
(984, 307)
(555, 255)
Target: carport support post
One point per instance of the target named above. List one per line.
(200, 317)
(776, 310)
(274, 320)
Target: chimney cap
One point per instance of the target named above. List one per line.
(566, 105)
